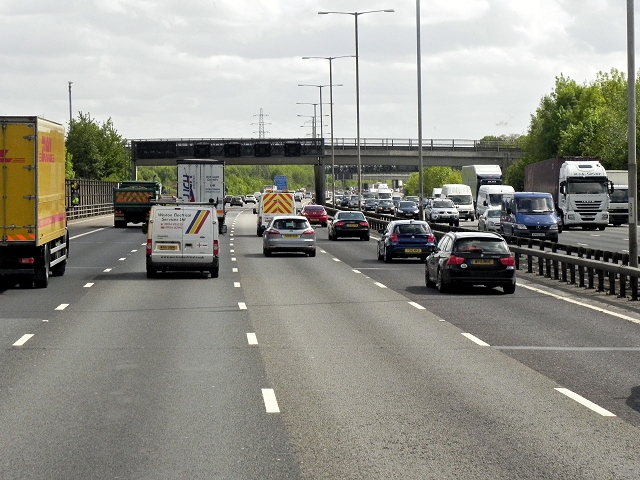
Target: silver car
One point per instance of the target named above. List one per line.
(489, 220)
(289, 233)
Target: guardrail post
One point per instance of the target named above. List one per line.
(556, 273)
(589, 270)
(529, 263)
(541, 261)
(634, 288)
(580, 268)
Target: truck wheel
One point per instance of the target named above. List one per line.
(59, 269)
(119, 224)
(601, 227)
(41, 277)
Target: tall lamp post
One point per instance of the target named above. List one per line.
(333, 150)
(355, 16)
(419, 67)
(70, 111)
(631, 139)
(314, 116)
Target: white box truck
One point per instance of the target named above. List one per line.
(477, 175)
(202, 181)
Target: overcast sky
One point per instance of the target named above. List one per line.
(205, 68)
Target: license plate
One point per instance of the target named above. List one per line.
(482, 261)
(412, 250)
(291, 236)
(537, 234)
(352, 225)
(167, 247)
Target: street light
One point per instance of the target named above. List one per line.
(314, 116)
(333, 150)
(355, 16)
(419, 67)
(320, 87)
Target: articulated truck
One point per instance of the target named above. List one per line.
(34, 240)
(579, 186)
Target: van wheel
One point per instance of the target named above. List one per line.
(215, 272)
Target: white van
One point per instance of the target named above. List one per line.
(183, 236)
(436, 193)
(461, 196)
(490, 196)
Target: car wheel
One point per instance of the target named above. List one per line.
(388, 258)
(267, 253)
(440, 285)
(427, 279)
(365, 238)
(509, 289)
(380, 256)
(312, 253)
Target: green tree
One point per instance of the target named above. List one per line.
(97, 151)
(68, 166)
(433, 177)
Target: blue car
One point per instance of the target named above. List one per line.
(405, 239)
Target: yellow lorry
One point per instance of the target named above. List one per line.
(34, 240)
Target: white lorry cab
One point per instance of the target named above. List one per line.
(461, 196)
(490, 196)
(183, 236)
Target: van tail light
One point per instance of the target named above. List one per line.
(309, 231)
(148, 246)
(453, 260)
(216, 248)
(508, 261)
(393, 237)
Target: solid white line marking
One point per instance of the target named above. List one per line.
(234, 270)
(121, 259)
(23, 339)
(86, 233)
(89, 285)
(380, 284)
(417, 305)
(252, 339)
(322, 251)
(236, 284)
(270, 402)
(107, 270)
(356, 271)
(476, 340)
(242, 305)
(62, 306)
(336, 259)
(586, 305)
(583, 401)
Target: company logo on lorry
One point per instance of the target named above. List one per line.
(188, 194)
(46, 150)
(5, 159)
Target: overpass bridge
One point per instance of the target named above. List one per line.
(387, 155)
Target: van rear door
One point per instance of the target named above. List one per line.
(197, 235)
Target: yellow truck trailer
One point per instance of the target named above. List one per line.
(34, 240)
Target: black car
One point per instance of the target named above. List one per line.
(407, 210)
(406, 238)
(385, 206)
(370, 204)
(471, 258)
(348, 224)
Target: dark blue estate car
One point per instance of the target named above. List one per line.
(404, 239)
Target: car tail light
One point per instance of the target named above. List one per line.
(149, 246)
(453, 260)
(216, 247)
(309, 231)
(364, 224)
(431, 238)
(26, 261)
(393, 237)
(273, 231)
(508, 261)
(339, 224)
